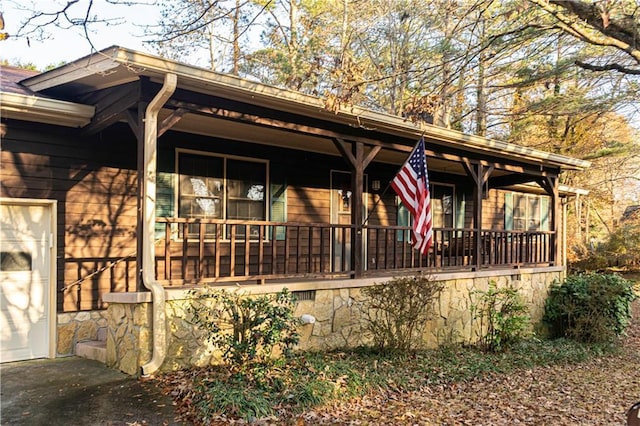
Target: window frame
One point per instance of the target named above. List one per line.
(225, 193)
(405, 213)
(543, 204)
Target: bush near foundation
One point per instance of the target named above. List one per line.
(396, 311)
(503, 316)
(245, 328)
(591, 308)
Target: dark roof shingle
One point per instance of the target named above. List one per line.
(11, 76)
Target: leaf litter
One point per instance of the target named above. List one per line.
(595, 392)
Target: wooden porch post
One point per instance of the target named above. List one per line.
(477, 214)
(357, 182)
(480, 175)
(550, 185)
(135, 118)
(358, 162)
(136, 122)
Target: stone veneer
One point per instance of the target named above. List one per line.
(74, 327)
(337, 309)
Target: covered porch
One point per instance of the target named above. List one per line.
(299, 186)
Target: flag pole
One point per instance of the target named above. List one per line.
(386, 188)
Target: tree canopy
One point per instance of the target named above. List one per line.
(559, 75)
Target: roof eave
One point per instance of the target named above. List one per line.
(563, 190)
(44, 110)
(207, 81)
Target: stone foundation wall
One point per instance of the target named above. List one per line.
(129, 340)
(338, 314)
(75, 327)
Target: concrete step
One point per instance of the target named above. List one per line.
(92, 349)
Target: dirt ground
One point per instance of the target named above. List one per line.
(598, 392)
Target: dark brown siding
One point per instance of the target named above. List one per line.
(493, 210)
(94, 182)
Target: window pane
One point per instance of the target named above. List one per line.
(201, 186)
(442, 206)
(245, 209)
(519, 212)
(533, 213)
(246, 183)
(204, 190)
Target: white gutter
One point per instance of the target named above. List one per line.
(107, 62)
(45, 110)
(148, 225)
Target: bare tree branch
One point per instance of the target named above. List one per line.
(594, 25)
(608, 67)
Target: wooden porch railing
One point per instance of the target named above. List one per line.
(234, 250)
(228, 251)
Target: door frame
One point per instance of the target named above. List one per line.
(333, 213)
(52, 206)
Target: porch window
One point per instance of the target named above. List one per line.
(526, 212)
(214, 187)
(443, 208)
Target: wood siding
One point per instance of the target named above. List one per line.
(94, 182)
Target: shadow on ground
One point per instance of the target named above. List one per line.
(76, 391)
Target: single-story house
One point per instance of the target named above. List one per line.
(127, 177)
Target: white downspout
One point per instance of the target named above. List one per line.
(149, 221)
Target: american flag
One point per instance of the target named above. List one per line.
(412, 186)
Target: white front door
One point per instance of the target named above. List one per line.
(25, 281)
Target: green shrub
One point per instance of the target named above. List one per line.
(396, 311)
(236, 397)
(246, 329)
(503, 317)
(589, 307)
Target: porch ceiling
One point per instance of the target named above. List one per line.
(233, 130)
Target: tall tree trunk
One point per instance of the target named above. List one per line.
(236, 39)
(481, 95)
(553, 119)
(442, 114)
(293, 44)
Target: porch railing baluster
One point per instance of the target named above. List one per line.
(232, 256)
(167, 251)
(298, 258)
(261, 233)
(247, 249)
(218, 228)
(286, 250)
(201, 237)
(324, 251)
(310, 250)
(185, 249)
(274, 247)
